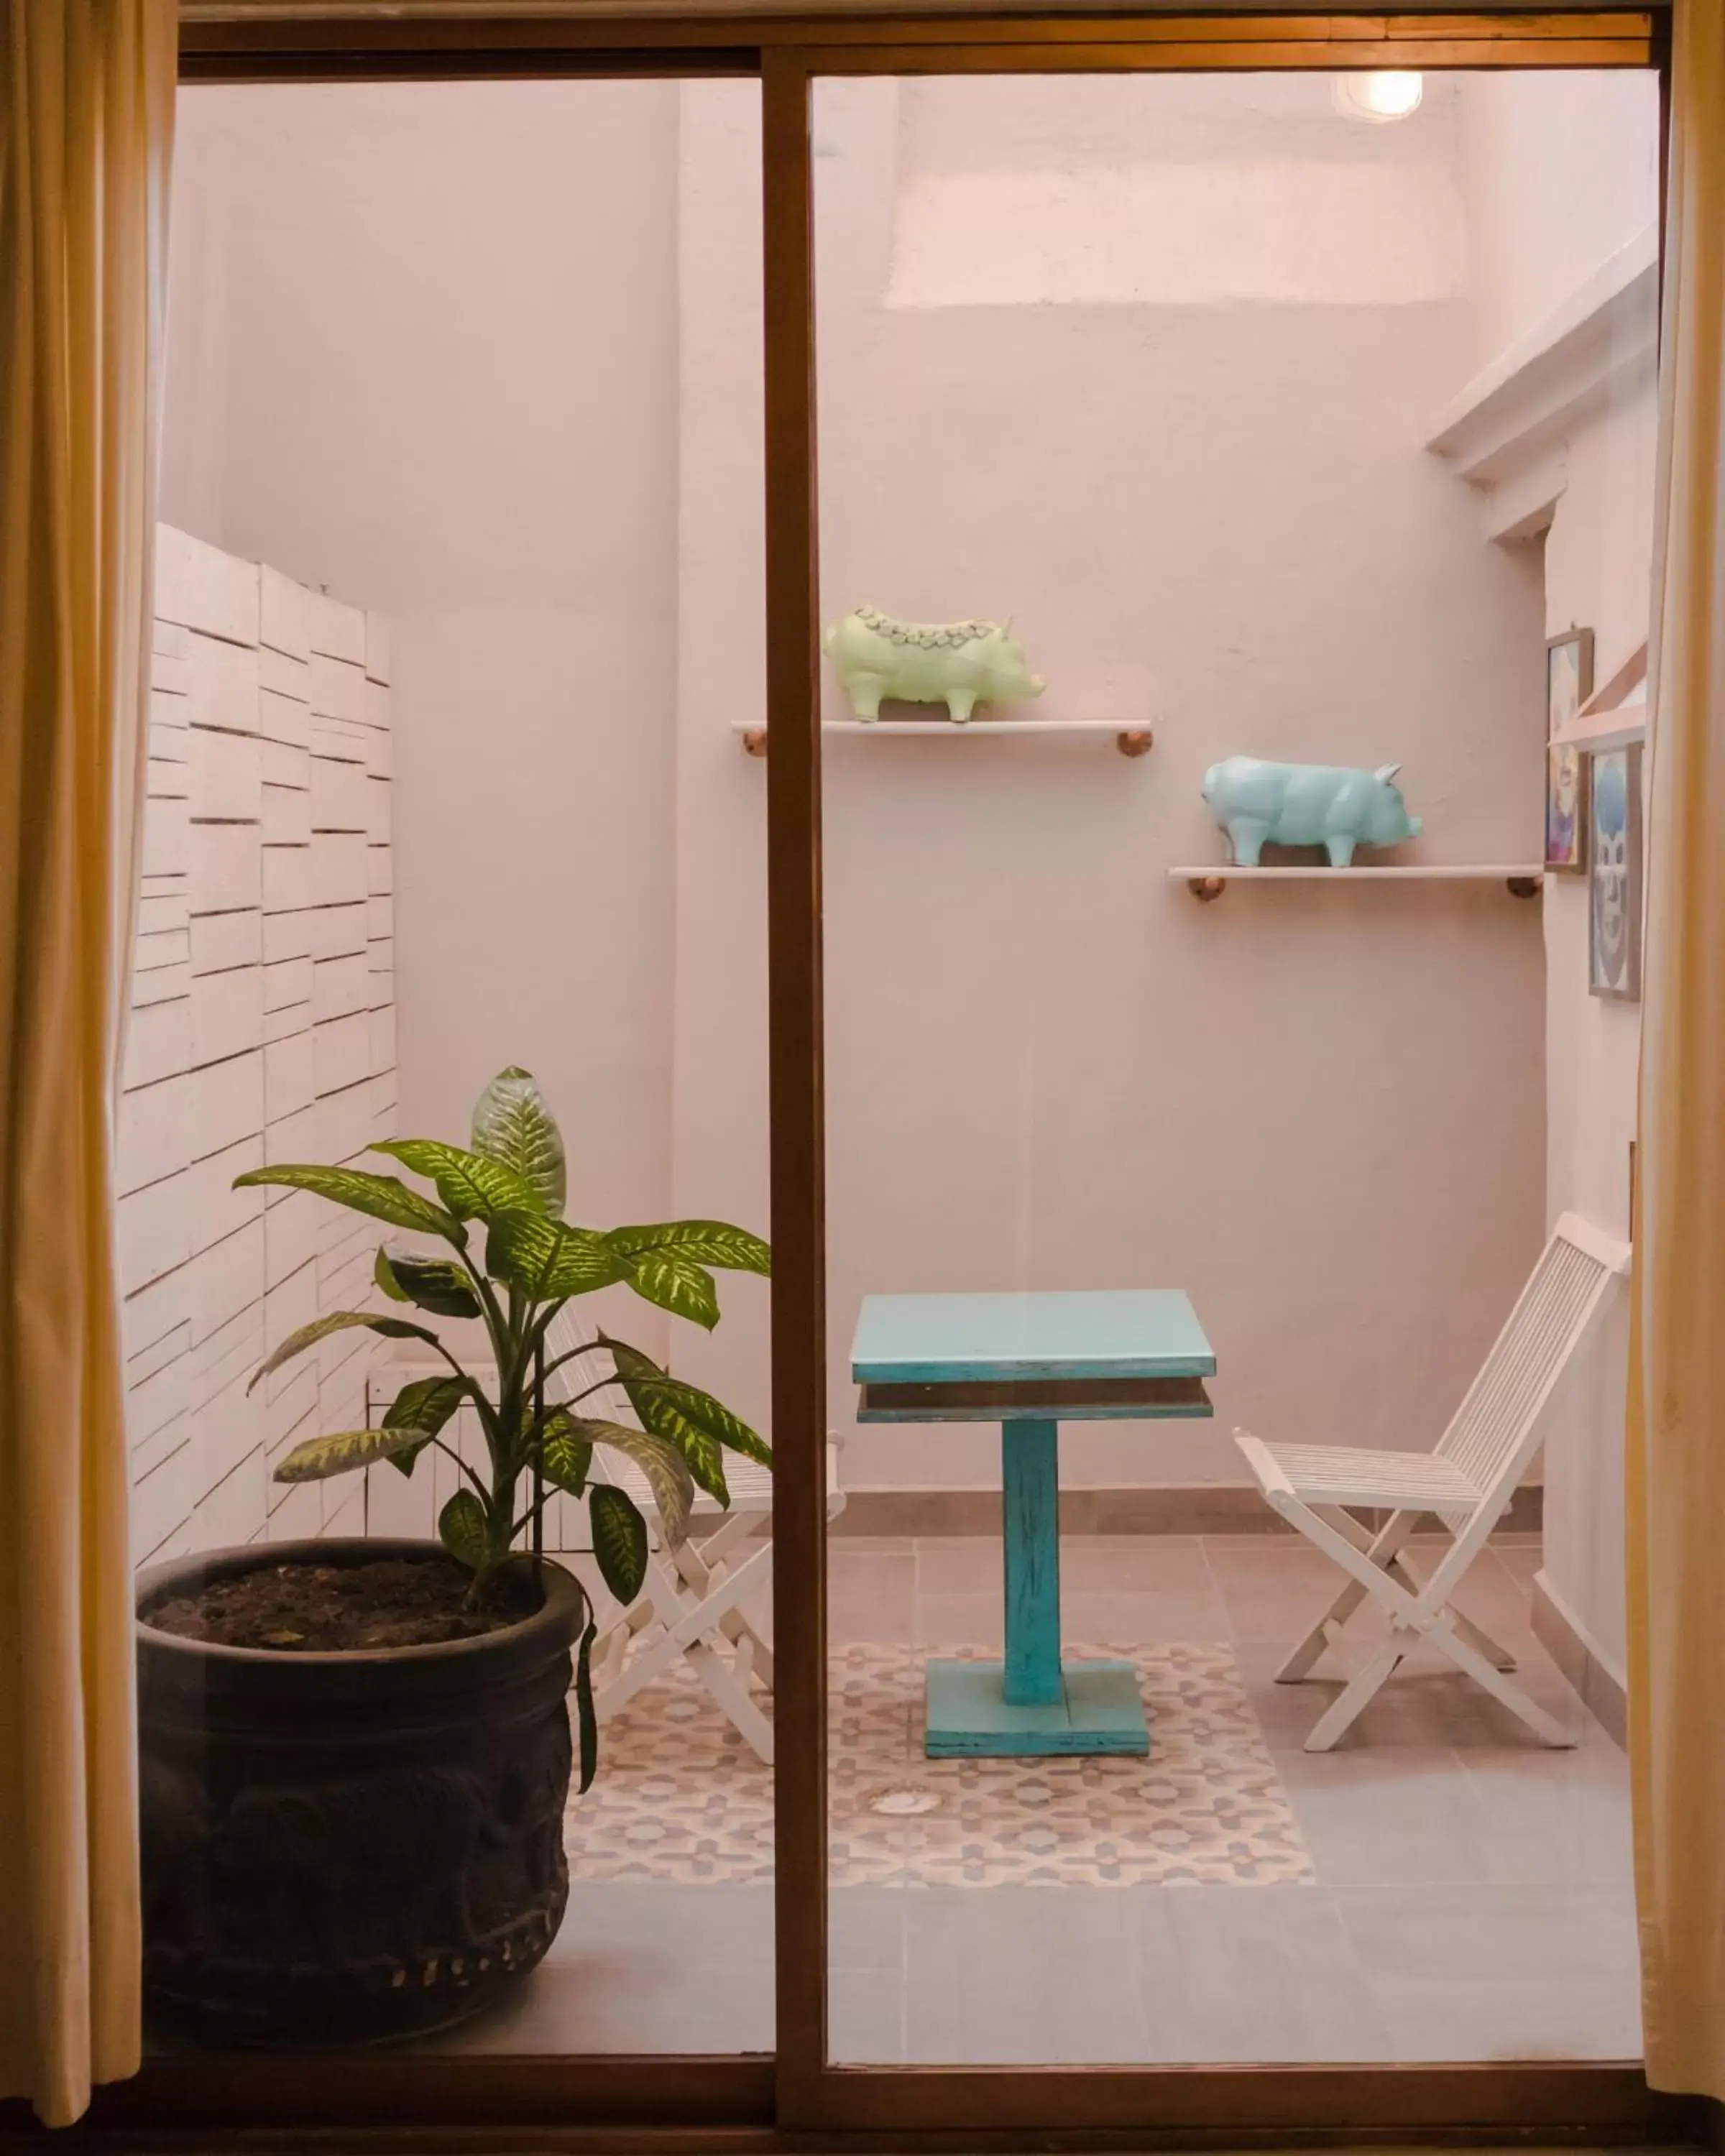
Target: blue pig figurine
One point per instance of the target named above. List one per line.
(1306, 805)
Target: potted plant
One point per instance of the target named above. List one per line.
(355, 1754)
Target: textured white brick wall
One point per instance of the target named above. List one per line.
(263, 1028)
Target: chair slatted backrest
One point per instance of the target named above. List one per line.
(1495, 1432)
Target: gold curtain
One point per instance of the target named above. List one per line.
(86, 116)
(1676, 1405)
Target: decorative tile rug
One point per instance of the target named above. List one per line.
(680, 1797)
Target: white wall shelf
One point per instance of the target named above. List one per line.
(1129, 740)
(1210, 882)
(1604, 730)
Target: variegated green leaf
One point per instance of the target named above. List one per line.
(338, 1321)
(665, 1467)
(707, 1242)
(384, 1197)
(384, 1275)
(437, 1284)
(619, 1541)
(631, 1364)
(461, 1529)
(472, 1187)
(682, 1405)
(697, 1423)
(586, 1721)
(423, 1406)
(426, 1404)
(547, 1261)
(342, 1451)
(642, 1380)
(675, 1283)
(706, 1462)
(511, 1123)
(565, 1455)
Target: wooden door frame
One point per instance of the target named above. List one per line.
(814, 2094)
(798, 2099)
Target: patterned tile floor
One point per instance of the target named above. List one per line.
(682, 1799)
(1440, 1888)
(1472, 1896)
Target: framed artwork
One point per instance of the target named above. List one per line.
(1613, 927)
(1568, 684)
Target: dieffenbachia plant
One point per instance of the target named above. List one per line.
(509, 1184)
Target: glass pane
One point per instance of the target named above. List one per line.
(459, 586)
(1283, 419)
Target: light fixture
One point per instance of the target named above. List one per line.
(1383, 94)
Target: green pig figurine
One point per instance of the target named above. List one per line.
(959, 664)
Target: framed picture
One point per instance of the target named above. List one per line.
(1613, 927)
(1568, 684)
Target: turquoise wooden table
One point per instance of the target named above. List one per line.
(1031, 1362)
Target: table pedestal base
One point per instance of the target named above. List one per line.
(969, 1716)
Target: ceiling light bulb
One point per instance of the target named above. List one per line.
(1383, 94)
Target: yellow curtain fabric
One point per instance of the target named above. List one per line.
(1676, 1405)
(87, 113)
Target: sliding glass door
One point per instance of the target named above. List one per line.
(459, 596)
(1153, 389)
(816, 531)
(1148, 498)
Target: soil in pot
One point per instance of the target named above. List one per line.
(325, 1608)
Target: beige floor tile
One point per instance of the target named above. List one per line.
(1495, 1972)
(1259, 1975)
(976, 1620)
(1271, 1589)
(1133, 1589)
(958, 1564)
(633, 2003)
(1279, 1592)
(1140, 1564)
(870, 1596)
(641, 1968)
(1428, 1702)
(1126, 1620)
(1044, 1976)
(1472, 1899)
(1387, 1816)
(1556, 1818)
(868, 2011)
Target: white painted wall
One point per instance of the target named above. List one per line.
(424, 347)
(1558, 171)
(487, 357)
(719, 1119)
(1321, 1112)
(1561, 173)
(1320, 1115)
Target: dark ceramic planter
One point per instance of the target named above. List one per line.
(340, 1849)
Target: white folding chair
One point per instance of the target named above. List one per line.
(1468, 1482)
(691, 1604)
